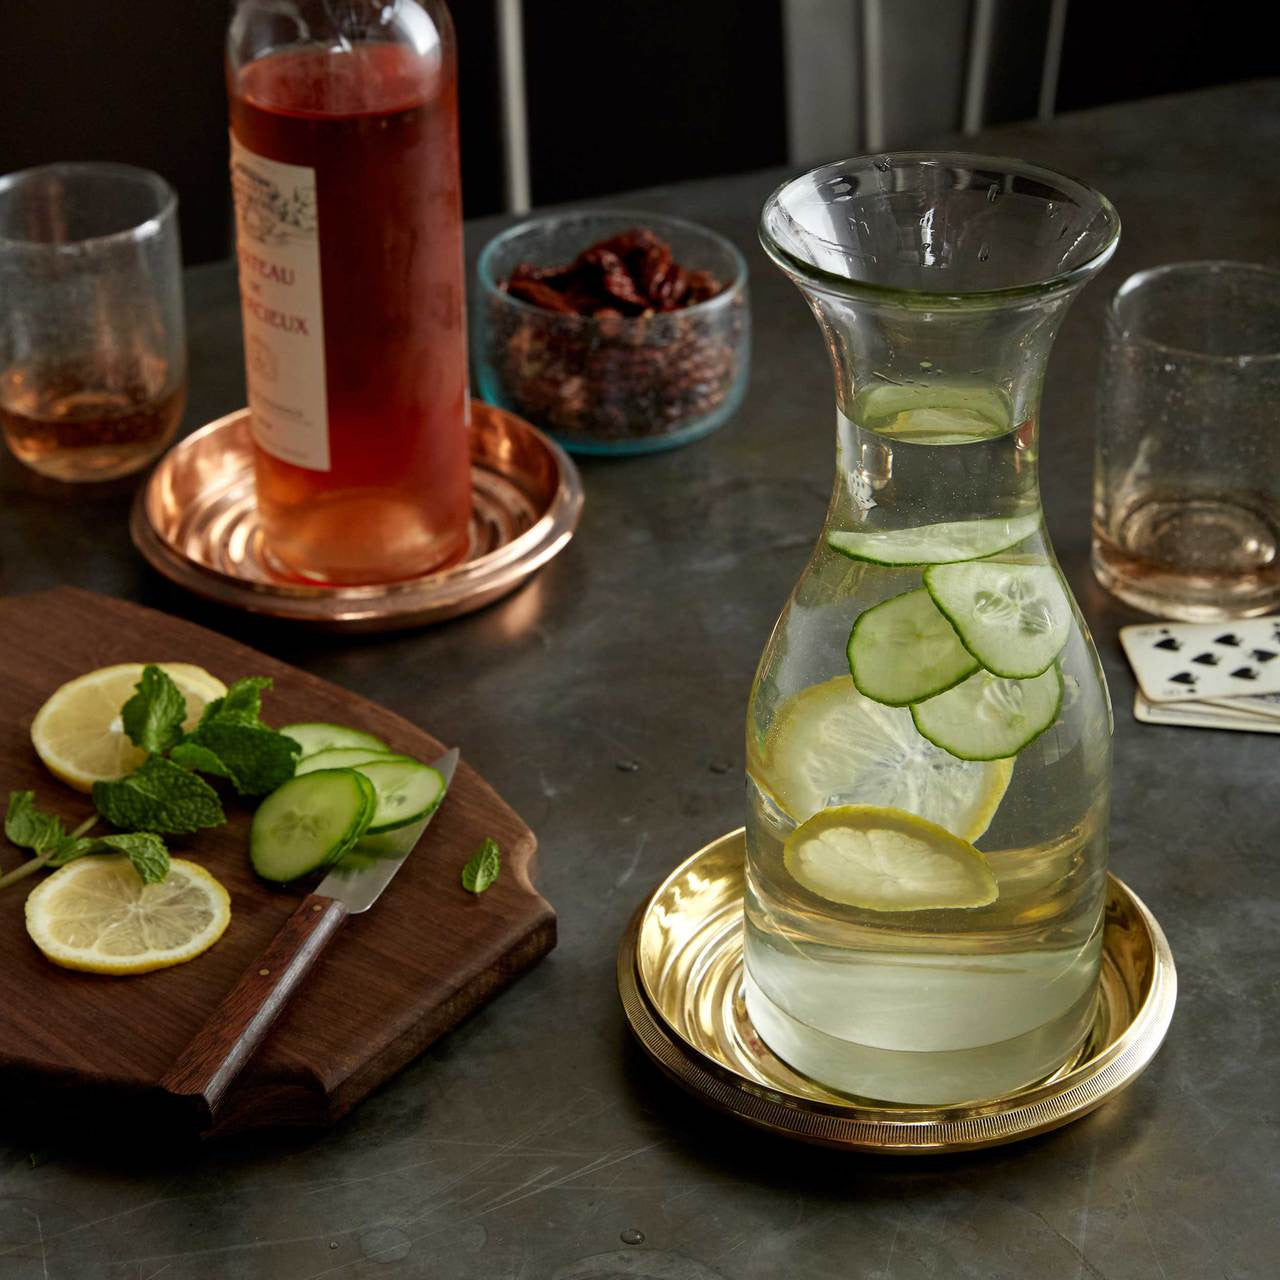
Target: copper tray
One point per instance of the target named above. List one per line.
(680, 978)
(196, 522)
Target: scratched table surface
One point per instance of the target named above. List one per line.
(605, 702)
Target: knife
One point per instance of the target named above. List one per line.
(222, 1047)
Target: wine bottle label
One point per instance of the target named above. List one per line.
(278, 247)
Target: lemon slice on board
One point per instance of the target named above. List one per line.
(882, 859)
(831, 745)
(78, 735)
(96, 914)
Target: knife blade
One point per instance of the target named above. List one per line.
(232, 1033)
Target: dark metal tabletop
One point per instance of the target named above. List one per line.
(605, 701)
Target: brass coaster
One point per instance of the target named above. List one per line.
(196, 522)
(680, 978)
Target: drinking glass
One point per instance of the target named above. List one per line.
(93, 369)
(1186, 514)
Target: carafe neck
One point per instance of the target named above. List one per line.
(937, 406)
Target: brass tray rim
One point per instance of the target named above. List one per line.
(436, 596)
(900, 1130)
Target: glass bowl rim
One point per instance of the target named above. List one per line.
(166, 202)
(628, 217)
(830, 282)
(1211, 266)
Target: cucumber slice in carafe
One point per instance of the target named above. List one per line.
(1014, 618)
(988, 717)
(946, 543)
(904, 650)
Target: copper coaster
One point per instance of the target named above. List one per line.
(680, 978)
(196, 522)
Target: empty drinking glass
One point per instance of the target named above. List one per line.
(1186, 513)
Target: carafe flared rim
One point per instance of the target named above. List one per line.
(1086, 254)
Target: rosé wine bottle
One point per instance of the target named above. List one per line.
(344, 161)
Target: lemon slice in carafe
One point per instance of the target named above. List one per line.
(883, 859)
(829, 745)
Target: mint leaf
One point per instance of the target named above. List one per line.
(242, 703)
(159, 796)
(232, 742)
(255, 758)
(27, 827)
(482, 868)
(146, 851)
(153, 716)
(191, 755)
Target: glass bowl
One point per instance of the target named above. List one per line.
(612, 384)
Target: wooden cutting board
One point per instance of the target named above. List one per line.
(392, 981)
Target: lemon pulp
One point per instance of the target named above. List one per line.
(96, 914)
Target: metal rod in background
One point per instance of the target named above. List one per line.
(1052, 59)
(515, 117)
(821, 42)
(873, 74)
(978, 69)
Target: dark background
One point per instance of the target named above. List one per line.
(622, 94)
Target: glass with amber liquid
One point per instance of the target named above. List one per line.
(344, 160)
(92, 346)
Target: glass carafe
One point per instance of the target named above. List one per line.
(928, 781)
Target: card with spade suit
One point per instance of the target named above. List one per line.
(1202, 715)
(1260, 705)
(1186, 661)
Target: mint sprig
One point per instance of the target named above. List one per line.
(165, 793)
(43, 833)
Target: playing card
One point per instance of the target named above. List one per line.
(1192, 661)
(1266, 705)
(1199, 715)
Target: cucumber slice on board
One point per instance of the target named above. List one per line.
(406, 791)
(318, 736)
(1014, 618)
(947, 543)
(988, 717)
(309, 822)
(904, 651)
(343, 758)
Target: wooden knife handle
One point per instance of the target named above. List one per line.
(221, 1048)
